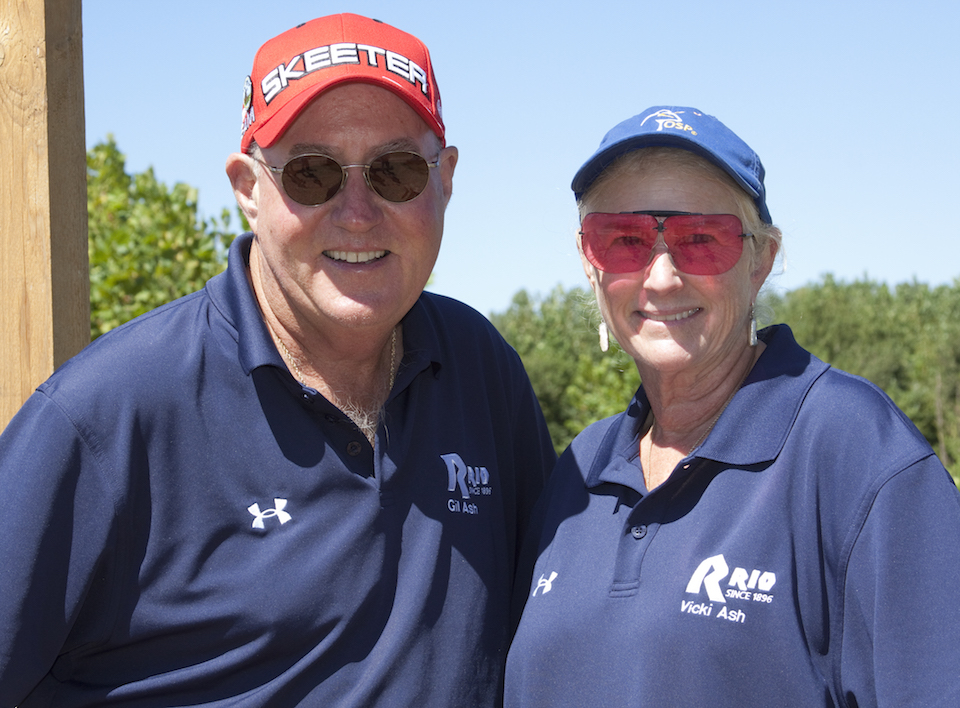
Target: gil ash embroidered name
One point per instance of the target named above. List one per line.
(336, 54)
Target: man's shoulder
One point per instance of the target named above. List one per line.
(457, 324)
(452, 310)
(146, 350)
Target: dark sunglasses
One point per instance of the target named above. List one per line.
(312, 180)
(699, 244)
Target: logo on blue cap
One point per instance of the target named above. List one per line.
(687, 129)
(666, 118)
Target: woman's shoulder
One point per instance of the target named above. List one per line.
(852, 404)
(599, 443)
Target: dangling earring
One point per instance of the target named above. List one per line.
(604, 337)
(753, 327)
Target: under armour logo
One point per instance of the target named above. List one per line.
(277, 510)
(545, 583)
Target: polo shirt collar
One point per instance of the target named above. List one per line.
(752, 430)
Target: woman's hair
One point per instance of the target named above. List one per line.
(641, 161)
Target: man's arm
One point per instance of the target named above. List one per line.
(57, 515)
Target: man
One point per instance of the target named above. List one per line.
(305, 484)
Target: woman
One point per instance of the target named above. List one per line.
(756, 529)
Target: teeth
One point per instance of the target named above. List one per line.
(672, 318)
(355, 256)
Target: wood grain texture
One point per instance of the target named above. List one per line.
(44, 280)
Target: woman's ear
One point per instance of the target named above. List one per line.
(764, 264)
(242, 173)
(588, 267)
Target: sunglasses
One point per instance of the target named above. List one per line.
(699, 244)
(312, 180)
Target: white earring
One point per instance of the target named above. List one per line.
(753, 327)
(604, 337)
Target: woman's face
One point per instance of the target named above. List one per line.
(668, 321)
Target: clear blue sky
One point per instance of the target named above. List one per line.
(852, 106)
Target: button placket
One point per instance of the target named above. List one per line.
(636, 535)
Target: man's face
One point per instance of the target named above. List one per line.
(356, 260)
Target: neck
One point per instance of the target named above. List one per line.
(685, 402)
(355, 369)
(683, 415)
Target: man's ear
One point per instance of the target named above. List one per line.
(242, 173)
(448, 163)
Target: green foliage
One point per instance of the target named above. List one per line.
(905, 339)
(148, 245)
(601, 386)
(556, 337)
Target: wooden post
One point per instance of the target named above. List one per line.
(44, 274)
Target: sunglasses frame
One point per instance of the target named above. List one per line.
(343, 174)
(661, 217)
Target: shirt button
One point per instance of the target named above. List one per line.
(639, 532)
(354, 448)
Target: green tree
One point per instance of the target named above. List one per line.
(601, 387)
(905, 339)
(148, 245)
(556, 337)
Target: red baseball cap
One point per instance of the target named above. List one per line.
(293, 68)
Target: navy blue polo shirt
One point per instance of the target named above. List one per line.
(807, 554)
(185, 524)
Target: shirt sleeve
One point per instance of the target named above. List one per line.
(57, 515)
(901, 603)
(534, 454)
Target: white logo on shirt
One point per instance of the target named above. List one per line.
(277, 511)
(709, 573)
(546, 584)
(752, 585)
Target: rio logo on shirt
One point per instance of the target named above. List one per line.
(470, 481)
(752, 585)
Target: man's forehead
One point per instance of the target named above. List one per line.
(320, 147)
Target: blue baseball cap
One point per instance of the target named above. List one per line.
(685, 128)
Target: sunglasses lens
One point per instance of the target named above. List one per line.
(699, 244)
(312, 179)
(707, 244)
(399, 176)
(618, 243)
